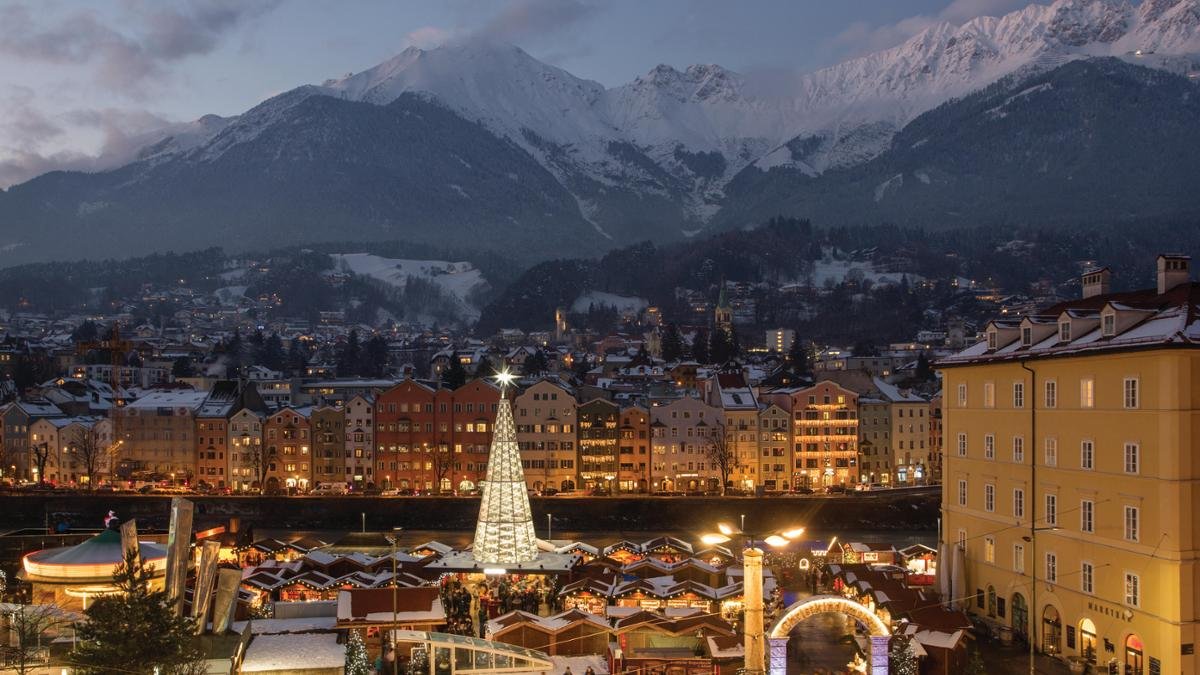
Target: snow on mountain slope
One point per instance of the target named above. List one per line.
(677, 138)
(456, 279)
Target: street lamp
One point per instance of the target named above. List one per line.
(392, 539)
(754, 637)
(549, 527)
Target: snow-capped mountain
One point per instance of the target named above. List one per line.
(507, 141)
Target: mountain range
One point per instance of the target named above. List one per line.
(478, 145)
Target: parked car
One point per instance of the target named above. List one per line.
(804, 490)
(326, 489)
(835, 489)
(390, 492)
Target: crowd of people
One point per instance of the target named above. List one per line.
(468, 608)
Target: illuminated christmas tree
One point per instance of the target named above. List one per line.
(504, 533)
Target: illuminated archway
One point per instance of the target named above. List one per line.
(828, 604)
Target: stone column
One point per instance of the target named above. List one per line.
(752, 593)
(778, 665)
(879, 654)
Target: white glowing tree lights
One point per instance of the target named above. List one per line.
(504, 534)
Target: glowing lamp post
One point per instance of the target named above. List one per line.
(752, 586)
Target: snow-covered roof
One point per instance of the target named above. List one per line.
(287, 653)
(169, 398)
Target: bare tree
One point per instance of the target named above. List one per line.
(722, 453)
(86, 448)
(443, 463)
(41, 456)
(28, 624)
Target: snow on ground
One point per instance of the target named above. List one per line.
(294, 652)
(621, 303)
(836, 270)
(230, 295)
(456, 279)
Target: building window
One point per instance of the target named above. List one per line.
(962, 395)
(1018, 503)
(1051, 567)
(1019, 558)
(962, 444)
(1064, 331)
(1019, 449)
(1051, 451)
(1132, 589)
(1051, 394)
(962, 493)
(989, 447)
(1026, 336)
(1131, 392)
(1131, 458)
(1131, 523)
(1086, 577)
(1087, 455)
(1087, 393)
(989, 497)
(991, 338)
(1087, 515)
(989, 395)
(1108, 324)
(989, 549)
(1052, 509)
(1018, 394)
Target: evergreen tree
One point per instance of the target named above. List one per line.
(87, 332)
(485, 369)
(798, 360)
(182, 367)
(735, 343)
(349, 357)
(375, 357)
(536, 363)
(923, 371)
(700, 347)
(455, 375)
(233, 350)
(719, 348)
(257, 342)
(902, 659)
(672, 343)
(357, 661)
(135, 629)
(273, 356)
(297, 356)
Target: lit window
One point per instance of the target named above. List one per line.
(1087, 393)
(989, 549)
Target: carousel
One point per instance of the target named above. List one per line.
(70, 577)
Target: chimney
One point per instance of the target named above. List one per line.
(1172, 271)
(1097, 282)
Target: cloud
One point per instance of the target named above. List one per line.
(427, 37)
(528, 20)
(862, 37)
(122, 131)
(128, 59)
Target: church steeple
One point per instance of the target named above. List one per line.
(723, 315)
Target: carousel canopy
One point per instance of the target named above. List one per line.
(93, 559)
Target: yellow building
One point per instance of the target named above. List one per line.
(1070, 471)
